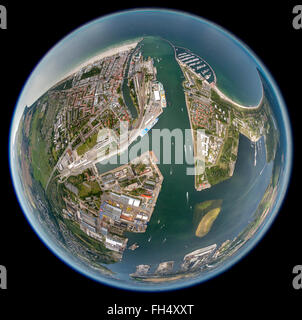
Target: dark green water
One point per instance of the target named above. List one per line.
(171, 227)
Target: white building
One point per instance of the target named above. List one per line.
(156, 95)
(203, 142)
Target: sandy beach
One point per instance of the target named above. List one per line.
(104, 54)
(224, 97)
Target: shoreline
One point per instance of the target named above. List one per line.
(214, 85)
(226, 98)
(125, 46)
(223, 97)
(193, 139)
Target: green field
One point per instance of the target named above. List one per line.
(39, 156)
(64, 85)
(87, 145)
(217, 174)
(89, 188)
(93, 72)
(86, 188)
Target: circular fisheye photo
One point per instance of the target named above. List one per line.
(150, 150)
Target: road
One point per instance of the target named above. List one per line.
(92, 155)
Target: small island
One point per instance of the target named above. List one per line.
(205, 213)
(206, 223)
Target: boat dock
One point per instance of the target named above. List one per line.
(197, 64)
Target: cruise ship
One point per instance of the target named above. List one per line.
(162, 95)
(149, 126)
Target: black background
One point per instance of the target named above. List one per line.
(263, 279)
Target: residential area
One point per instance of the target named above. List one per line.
(215, 123)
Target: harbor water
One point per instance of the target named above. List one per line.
(170, 233)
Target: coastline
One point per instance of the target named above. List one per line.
(214, 84)
(226, 98)
(193, 139)
(125, 46)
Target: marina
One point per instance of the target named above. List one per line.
(173, 199)
(198, 65)
(112, 206)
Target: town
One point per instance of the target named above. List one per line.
(80, 122)
(89, 112)
(88, 128)
(123, 199)
(215, 123)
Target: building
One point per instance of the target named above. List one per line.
(156, 95)
(141, 270)
(107, 210)
(197, 258)
(203, 143)
(115, 243)
(165, 267)
(130, 201)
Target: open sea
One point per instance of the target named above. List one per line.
(235, 69)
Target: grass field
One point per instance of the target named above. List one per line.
(88, 189)
(39, 156)
(217, 174)
(89, 143)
